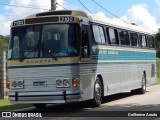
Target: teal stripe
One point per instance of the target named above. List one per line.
(122, 55)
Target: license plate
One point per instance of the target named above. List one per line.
(39, 83)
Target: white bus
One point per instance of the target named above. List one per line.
(70, 56)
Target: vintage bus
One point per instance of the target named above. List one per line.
(71, 56)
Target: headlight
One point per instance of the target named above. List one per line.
(62, 82)
(17, 84)
(20, 84)
(14, 84)
(66, 83)
(59, 83)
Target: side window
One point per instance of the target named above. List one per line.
(134, 39)
(124, 37)
(101, 31)
(98, 34)
(150, 41)
(112, 36)
(143, 42)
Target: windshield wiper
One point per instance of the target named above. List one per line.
(30, 51)
(49, 53)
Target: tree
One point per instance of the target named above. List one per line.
(4, 43)
(157, 44)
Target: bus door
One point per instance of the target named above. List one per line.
(86, 42)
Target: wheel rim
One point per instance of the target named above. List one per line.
(98, 92)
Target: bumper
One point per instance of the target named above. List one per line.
(45, 97)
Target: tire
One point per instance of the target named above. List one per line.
(97, 93)
(142, 90)
(39, 105)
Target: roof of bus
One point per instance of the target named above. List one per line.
(93, 18)
(119, 24)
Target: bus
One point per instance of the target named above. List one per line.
(68, 56)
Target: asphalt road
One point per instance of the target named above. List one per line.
(119, 106)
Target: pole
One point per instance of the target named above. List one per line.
(53, 4)
(3, 91)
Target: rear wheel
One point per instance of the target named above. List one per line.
(97, 93)
(39, 105)
(142, 90)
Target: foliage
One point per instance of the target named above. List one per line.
(4, 43)
(157, 44)
(158, 70)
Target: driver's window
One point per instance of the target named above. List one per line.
(85, 41)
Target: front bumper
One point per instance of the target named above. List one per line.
(45, 97)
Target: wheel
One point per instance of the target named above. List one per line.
(97, 93)
(142, 90)
(40, 105)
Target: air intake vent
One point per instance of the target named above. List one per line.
(54, 13)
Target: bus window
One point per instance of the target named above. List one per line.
(143, 42)
(124, 38)
(134, 39)
(112, 36)
(150, 41)
(98, 34)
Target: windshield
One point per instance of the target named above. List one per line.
(44, 41)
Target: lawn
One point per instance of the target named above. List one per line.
(6, 105)
(158, 70)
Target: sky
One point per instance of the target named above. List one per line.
(145, 13)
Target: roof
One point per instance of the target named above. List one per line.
(93, 18)
(118, 24)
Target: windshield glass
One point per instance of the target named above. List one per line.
(44, 41)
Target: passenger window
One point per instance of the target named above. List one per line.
(134, 39)
(102, 35)
(143, 42)
(150, 41)
(124, 38)
(112, 36)
(98, 34)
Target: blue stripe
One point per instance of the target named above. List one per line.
(123, 55)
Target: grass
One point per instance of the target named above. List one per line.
(158, 71)
(6, 105)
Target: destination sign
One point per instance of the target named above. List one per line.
(18, 23)
(66, 19)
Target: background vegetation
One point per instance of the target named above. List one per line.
(3, 43)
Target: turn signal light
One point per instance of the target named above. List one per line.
(8, 84)
(75, 82)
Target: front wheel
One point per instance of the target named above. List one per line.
(97, 93)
